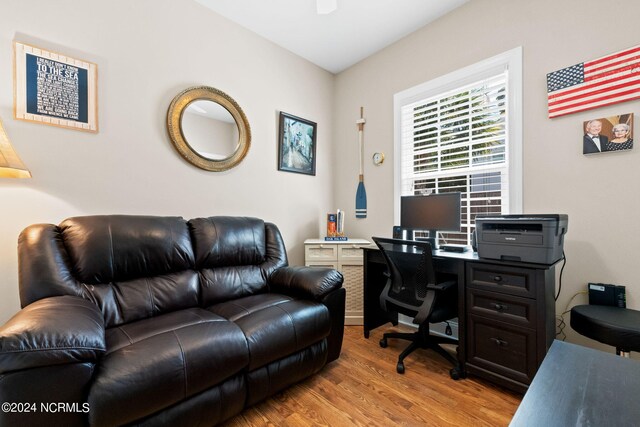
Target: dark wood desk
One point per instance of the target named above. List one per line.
(506, 312)
(579, 386)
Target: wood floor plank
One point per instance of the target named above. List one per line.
(362, 388)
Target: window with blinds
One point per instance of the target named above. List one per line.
(458, 141)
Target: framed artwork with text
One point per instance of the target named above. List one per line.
(54, 89)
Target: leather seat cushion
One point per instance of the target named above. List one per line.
(275, 325)
(618, 327)
(157, 362)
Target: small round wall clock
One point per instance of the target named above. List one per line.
(378, 158)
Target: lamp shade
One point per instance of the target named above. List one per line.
(10, 164)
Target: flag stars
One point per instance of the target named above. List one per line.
(566, 77)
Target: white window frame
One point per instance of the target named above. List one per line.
(511, 61)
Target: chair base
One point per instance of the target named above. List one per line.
(423, 339)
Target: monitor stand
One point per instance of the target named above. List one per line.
(432, 239)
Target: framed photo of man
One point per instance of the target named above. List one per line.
(54, 89)
(608, 134)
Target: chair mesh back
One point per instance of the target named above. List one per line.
(421, 278)
(410, 265)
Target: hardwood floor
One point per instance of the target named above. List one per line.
(362, 388)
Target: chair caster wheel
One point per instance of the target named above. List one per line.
(455, 373)
(383, 343)
(400, 368)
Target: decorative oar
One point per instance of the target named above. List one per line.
(361, 194)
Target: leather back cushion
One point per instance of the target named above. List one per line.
(235, 256)
(222, 241)
(133, 267)
(114, 248)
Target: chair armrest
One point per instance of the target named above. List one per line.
(427, 305)
(52, 331)
(309, 282)
(442, 286)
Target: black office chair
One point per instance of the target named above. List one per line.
(412, 290)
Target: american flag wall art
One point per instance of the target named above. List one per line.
(604, 81)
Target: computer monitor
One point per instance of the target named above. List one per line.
(433, 213)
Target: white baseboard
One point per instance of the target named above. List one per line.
(353, 320)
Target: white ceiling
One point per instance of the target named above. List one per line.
(335, 41)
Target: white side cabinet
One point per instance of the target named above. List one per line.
(346, 257)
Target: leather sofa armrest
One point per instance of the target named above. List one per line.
(309, 282)
(52, 331)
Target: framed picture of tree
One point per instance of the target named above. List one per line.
(297, 145)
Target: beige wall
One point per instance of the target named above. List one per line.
(598, 193)
(147, 51)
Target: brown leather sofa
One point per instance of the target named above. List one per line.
(160, 321)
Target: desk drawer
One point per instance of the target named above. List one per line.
(504, 279)
(504, 349)
(507, 308)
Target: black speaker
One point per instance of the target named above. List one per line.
(474, 241)
(606, 294)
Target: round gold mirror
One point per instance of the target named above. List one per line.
(208, 128)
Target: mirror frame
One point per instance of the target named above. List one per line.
(174, 127)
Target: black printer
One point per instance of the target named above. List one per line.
(527, 238)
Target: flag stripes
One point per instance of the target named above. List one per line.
(604, 81)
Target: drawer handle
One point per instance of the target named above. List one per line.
(499, 307)
(499, 342)
(322, 246)
(497, 279)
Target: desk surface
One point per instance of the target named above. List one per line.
(580, 386)
(468, 255)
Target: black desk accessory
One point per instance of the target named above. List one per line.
(454, 248)
(604, 294)
(474, 241)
